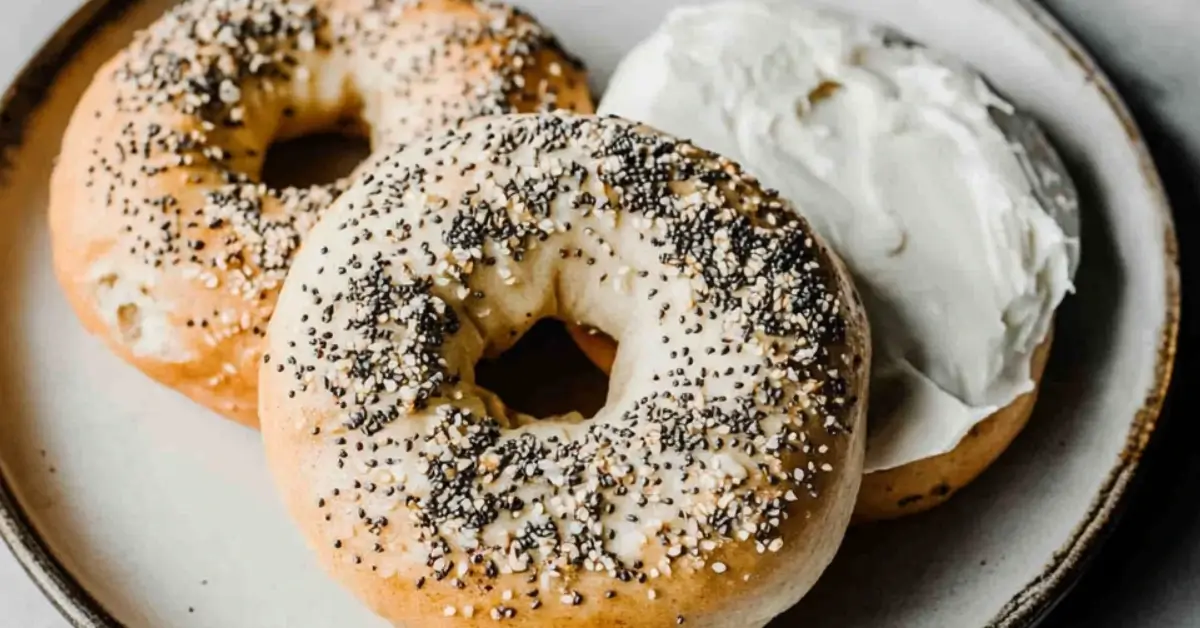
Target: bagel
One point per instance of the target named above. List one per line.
(918, 485)
(714, 486)
(165, 241)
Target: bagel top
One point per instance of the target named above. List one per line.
(712, 488)
(168, 245)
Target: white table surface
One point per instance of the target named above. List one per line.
(1149, 45)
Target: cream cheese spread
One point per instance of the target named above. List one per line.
(890, 151)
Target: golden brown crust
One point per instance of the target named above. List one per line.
(919, 485)
(163, 243)
(703, 597)
(729, 486)
(923, 484)
(596, 345)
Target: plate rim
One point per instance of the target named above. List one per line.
(1028, 607)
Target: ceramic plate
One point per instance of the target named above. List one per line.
(129, 505)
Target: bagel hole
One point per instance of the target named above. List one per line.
(314, 159)
(545, 374)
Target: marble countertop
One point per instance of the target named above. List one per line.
(1149, 571)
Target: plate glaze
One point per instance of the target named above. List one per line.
(129, 505)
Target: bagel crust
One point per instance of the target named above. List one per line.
(167, 245)
(714, 486)
(924, 484)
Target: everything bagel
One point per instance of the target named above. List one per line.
(168, 245)
(715, 485)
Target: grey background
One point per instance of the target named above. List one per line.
(1148, 574)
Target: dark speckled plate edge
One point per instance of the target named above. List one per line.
(21, 99)
(1026, 608)
(1039, 597)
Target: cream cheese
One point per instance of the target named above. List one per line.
(891, 153)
